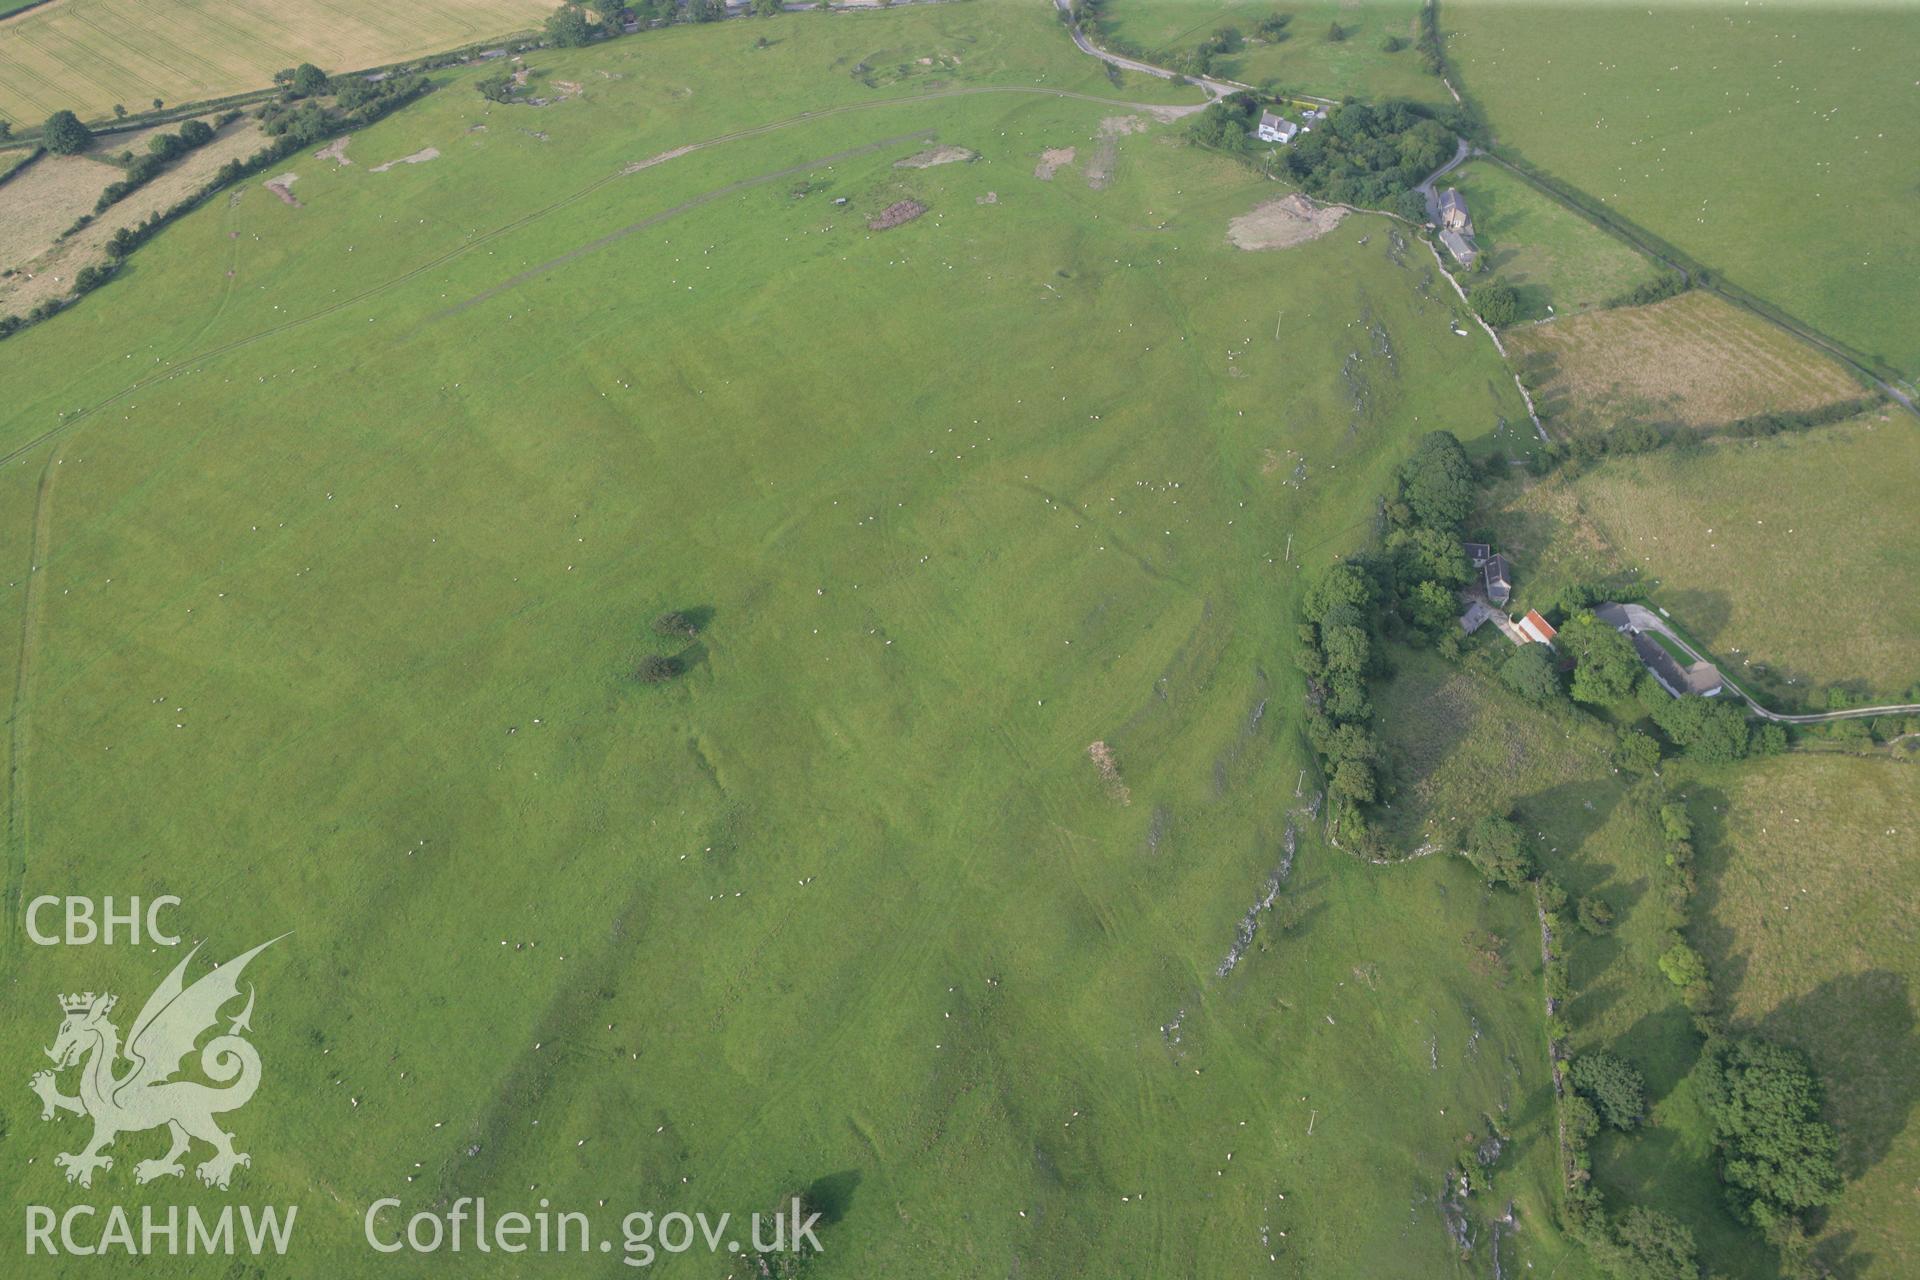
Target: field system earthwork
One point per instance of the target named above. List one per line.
(743, 605)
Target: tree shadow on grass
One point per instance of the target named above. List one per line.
(832, 1196)
(1858, 1031)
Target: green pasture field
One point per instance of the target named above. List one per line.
(87, 55)
(1809, 877)
(1781, 554)
(1557, 261)
(1307, 61)
(336, 531)
(1771, 145)
(1460, 747)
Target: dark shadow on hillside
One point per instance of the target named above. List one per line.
(832, 1196)
(1707, 806)
(1664, 1045)
(1836, 1258)
(1570, 813)
(1858, 1031)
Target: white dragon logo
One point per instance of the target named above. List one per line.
(147, 1096)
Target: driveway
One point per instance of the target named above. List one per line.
(1641, 618)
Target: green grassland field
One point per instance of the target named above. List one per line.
(1772, 146)
(1781, 554)
(1809, 878)
(336, 528)
(1557, 261)
(1306, 60)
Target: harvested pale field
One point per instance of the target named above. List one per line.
(42, 202)
(86, 55)
(1283, 223)
(1694, 359)
(53, 264)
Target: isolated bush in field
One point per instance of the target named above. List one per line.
(657, 668)
(1636, 752)
(1497, 851)
(495, 88)
(1615, 1086)
(1683, 966)
(1496, 302)
(1529, 672)
(675, 623)
(1595, 914)
(64, 135)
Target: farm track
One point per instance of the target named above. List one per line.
(40, 544)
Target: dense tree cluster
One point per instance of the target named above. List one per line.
(1613, 1085)
(162, 150)
(570, 26)
(1369, 155)
(1495, 302)
(1408, 587)
(1498, 851)
(1605, 666)
(64, 135)
(1778, 1157)
(1647, 1244)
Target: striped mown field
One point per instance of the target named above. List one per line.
(1695, 359)
(87, 55)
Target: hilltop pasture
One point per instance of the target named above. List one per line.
(348, 519)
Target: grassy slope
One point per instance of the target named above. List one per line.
(335, 621)
(1778, 553)
(1770, 145)
(1809, 881)
(1557, 261)
(1461, 747)
(1306, 61)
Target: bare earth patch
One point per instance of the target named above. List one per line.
(1283, 223)
(1107, 151)
(419, 157)
(896, 213)
(1102, 756)
(282, 187)
(936, 155)
(1695, 359)
(1051, 159)
(992, 197)
(335, 150)
(651, 161)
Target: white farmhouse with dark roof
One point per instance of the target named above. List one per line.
(1274, 128)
